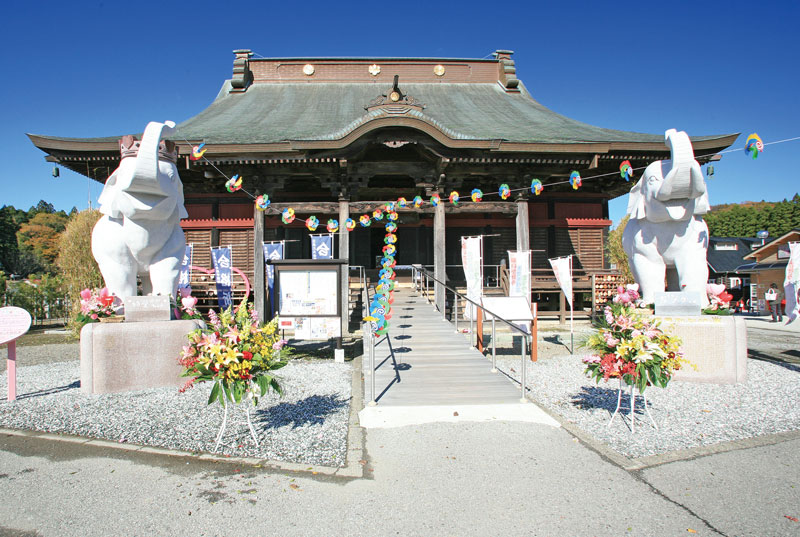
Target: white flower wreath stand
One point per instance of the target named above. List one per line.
(632, 407)
(247, 400)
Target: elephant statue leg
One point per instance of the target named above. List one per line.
(693, 276)
(117, 264)
(164, 272)
(649, 273)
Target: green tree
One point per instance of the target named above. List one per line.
(616, 254)
(8, 238)
(40, 236)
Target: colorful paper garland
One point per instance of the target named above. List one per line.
(262, 202)
(391, 227)
(197, 152)
(435, 199)
(233, 184)
(365, 220)
(504, 191)
(454, 197)
(575, 180)
(476, 195)
(754, 146)
(350, 224)
(402, 203)
(536, 186)
(392, 216)
(626, 170)
(312, 222)
(287, 216)
(333, 225)
(417, 202)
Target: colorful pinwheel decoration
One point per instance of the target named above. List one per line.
(377, 214)
(197, 152)
(287, 216)
(234, 183)
(435, 199)
(754, 146)
(626, 170)
(389, 249)
(504, 191)
(454, 197)
(391, 227)
(350, 224)
(392, 216)
(477, 195)
(312, 222)
(402, 203)
(333, 225)
(417, 202)
(390, 205)
(365, 220)
(390, 238)
(575, 180)
(536, 186)
(262, 202)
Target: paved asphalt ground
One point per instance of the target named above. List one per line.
(440, 479)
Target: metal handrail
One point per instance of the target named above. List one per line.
(526, 335)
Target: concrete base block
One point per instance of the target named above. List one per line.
(717, 345)
(117, 357)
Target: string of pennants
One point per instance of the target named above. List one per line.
(753, 147)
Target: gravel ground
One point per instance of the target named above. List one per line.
(687, 414)
(308, 425)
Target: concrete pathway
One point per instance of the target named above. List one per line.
(426, 372)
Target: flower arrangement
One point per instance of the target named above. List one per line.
(719, 300)
(632, 347)
(235, 353)
(95, 305)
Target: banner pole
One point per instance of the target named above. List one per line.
(571, 309)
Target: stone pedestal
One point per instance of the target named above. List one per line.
(133, 356)
(717, 345)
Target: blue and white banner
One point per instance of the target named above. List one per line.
(322, 246)
(519, 273)
(273, 251)
(184, 277)
(223, 275)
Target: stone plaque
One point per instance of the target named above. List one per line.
(146, 308)
(677, 303)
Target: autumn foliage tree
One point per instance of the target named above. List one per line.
(40, 235)
(76, 264)
(616, 254)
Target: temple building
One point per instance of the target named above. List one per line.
(339, 137)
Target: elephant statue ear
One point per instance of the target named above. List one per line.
(636, 208)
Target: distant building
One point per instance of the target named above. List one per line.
(767, 265)
(725, 256)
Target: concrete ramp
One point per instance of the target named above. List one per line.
(426, 372)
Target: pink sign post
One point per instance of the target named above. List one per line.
(13, 323)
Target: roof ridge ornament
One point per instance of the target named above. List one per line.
(242, 75)
(507, 75)
(395, 102)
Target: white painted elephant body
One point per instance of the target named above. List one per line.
(666, 237)
(142, 204)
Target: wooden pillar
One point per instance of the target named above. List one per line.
(439, 258)
(523, 224)
(344, 253)
(259, 274)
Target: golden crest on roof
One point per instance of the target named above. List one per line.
(438, 70)
(308, 69)
(374, 69)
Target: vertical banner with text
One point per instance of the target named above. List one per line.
(519, 273)
(322, 246)
(273, 251)
(562, 266)
(184, 277)
(792, 282)
(472, 261)
(223, 275)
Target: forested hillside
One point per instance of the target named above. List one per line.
(748, 218)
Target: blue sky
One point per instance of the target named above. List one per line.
(103, 69)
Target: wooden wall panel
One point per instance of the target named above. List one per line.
(200, 239)
(242, 242)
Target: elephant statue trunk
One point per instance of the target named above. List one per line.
(666, 238)
(139, 234)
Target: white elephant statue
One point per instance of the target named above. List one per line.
(666, 237)
(142, 205)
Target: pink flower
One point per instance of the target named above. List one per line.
(625, 323)
(278, 345)
(105, 296)
(636, 333)
(593, 359)
(185, 292)
(86, 294)
(94, 316)
(611, 341)
(232, 335)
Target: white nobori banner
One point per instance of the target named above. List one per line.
(472, 261)
(519, 273)
(792, 282)
(562, 266)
